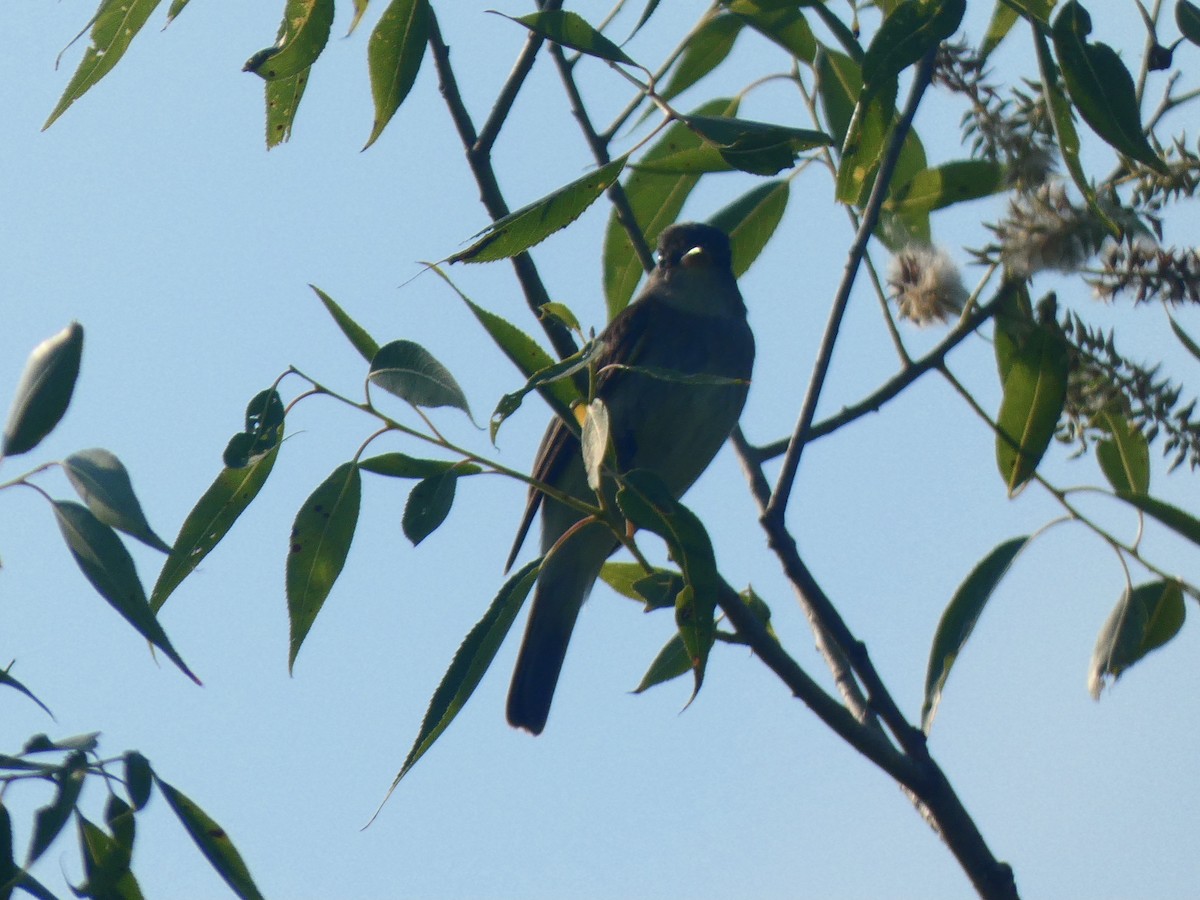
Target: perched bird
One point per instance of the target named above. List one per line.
(690, 319)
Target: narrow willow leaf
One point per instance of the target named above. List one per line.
(210, 520)
(7, 679)
(565, 369)
(138, 778)
(760, 148)
(647, 503)
(303, 34)
(48, 822)
(656, 589)
(781, 23)
(366, 345)
(1034, 10)
(1184, 338)
(176, 8)
(1187, 17)
(1173, 517)
(706, 49)
(394, 55)
(428, 505)
(1004, 17)
(751, 220)
(470, 662)
(1124, 455)
(656, 201)
(212, 840)
(44, 391)
(400, 465)
(102, 482)
(105, 864)
(651, 6)
(109, 567)
(320, 539)
(532, 224)
(1034, 393)
(906, 34)
(1100, 86)
(568, 29)
(283, 100)
(114, 27)
(671, 662)
(410, 372)
(838, 85)
(360, 8)
(947, 184)
(1144, 619)
(523, 351)
(958, 621)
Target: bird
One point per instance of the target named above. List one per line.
(689, 318)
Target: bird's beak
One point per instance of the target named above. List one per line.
(694, 258)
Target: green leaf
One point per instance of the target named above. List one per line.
(561, 313)
(1034, 10)
(648, 504)
(138, 778)
(176, 8)
(1034, 392)
(760, 148)
(1144, 619)
(394, 55)
(366, 345)
(283, 100)
(1101, 87)
(400, 465)
(1124, 455)
(511, 402)
(751, 220)
(210, 520)
(106, 563)
(1173, 517)
(48, 822)
(303, 34)
(958, 621)
(906, 34)
(782, 23)
(470, 662)
(523, 351)
(1184, 338)
(105, 864)
(656, 201)
(947, 184)
(706, 49)
(102, 482)
(114, 27)
(568, 29)
(1004, 17)
(44, 391)
(409, 371)
(212, 840)
(532, 224)
(671, 662)
(319, 542)
(838, 85)
(428, 505)
(1187, 17)
(657, 590)
(862, 149)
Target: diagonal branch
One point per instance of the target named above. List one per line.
(791, 462)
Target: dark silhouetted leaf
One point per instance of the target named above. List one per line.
(907, 33)
(44, 391)
(138, 779)
(400, 465)
(409, 371)
(1144, 619)
(366, 345)
(782, 23)
(48, 822)
(103, 484)
(569, 29)
(1173, 517)
(428, 505)
(1187, 17)
(958, 621)
(756, 147)
(109, 567)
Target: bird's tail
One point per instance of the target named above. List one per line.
(563, 584)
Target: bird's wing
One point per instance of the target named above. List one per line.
(553, 453)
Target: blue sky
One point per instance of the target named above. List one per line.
(152, 214)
